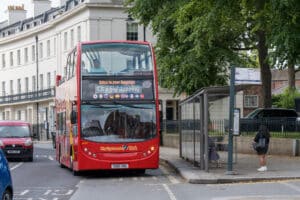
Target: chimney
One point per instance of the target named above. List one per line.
(40, 6)
(15, 13)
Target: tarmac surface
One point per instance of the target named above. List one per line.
(244, 168)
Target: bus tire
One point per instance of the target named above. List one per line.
(140, 171)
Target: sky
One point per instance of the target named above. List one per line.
(27, 4)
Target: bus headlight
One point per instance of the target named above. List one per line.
(149, 151)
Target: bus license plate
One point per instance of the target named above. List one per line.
(119, 166)
(13, 151)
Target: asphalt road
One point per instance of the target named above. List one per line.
(43, 179)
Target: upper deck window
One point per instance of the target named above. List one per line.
(115, 58)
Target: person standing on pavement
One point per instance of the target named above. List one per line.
(263, 132)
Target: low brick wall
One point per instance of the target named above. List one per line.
(278, 146)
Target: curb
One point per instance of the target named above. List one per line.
(216, 180)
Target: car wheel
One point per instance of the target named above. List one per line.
(7, 195)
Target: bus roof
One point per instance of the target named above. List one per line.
(115, 41)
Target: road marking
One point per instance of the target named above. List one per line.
(294, 187)
(16, 166)
(258, 197)
(51, 158)
(171, 178)
(24, 192)
(170, 193)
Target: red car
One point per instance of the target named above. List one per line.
(16, 139)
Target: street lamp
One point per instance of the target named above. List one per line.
(37, 86)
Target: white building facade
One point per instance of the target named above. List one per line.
(33, 51)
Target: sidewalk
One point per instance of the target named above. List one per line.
(279, 168)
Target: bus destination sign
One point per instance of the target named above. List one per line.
(117, 89)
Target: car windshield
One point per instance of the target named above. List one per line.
(118, 122)
(14, 131)
(253, 113)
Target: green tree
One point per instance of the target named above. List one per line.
(286, 99)
(285, 36)
(198, 40)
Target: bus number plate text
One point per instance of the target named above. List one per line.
(119, 166)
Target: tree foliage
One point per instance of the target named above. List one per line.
(286, 99)
(198, 40)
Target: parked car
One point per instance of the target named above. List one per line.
(6, 188)
(276, 119)
(16, 139)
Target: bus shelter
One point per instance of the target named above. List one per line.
(204, 118)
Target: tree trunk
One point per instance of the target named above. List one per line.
(265, 72)
(291, 76)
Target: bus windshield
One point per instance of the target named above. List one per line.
(118, 122)
(115, 58)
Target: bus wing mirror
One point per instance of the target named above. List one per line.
(73, 117)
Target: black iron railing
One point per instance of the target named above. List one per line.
(28, 96)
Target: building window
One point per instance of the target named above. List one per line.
(26, 115)
(72, 38)
(41, 50)
(19, 115)
(3, 115)
(65, 41)
(26, 55)
(250, 101)
(33, 53)
(3, 88)
(48, 48)
(54, 46)
(11, 87)
(19, 57)
(132, 31)
(26, 84)
(48, 80)
(41, 81)
(11, 56)
(3, 61)
(19, 86)
(78, 33)
(33, 84)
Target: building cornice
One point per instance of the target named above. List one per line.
(51, 24)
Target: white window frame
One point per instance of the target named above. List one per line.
(48, 48)
(3, 61)
(41, 50)
(251, 101)
(33, 53)
(78, 33)
(72, 38)
(18, 57)
(26, 55)
(65, 41)
(11, 56)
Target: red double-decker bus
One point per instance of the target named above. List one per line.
(107, 107)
